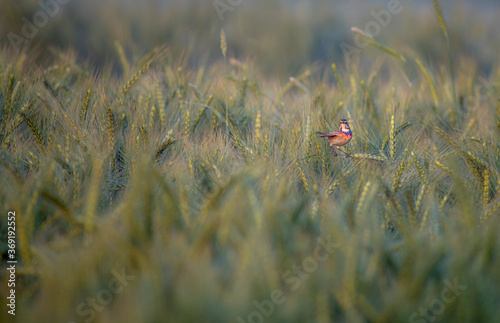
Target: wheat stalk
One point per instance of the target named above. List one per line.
(122, 57)
(396, 132)
(377, 44)
(397, 179)
(302, 176)
(392, 139)
(34, 130)
(429, 80)
(223, 42)
(363, 198)
(134, 78)
(258, 125)
(420, 169)
(486, 189)
(85, 105)
(111, 128)
(450, 57)
(9, 95)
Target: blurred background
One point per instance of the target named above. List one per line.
(166, 157)
(280, 36)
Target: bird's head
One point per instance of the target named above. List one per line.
(344, 126)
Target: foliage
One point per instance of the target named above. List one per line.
(207, 183)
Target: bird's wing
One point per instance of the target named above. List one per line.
(332, 134)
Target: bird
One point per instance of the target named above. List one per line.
(338, 137)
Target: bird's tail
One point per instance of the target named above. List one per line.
(322, 134)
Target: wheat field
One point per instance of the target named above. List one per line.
(163, 186)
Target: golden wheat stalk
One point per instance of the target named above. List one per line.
(420, 169)
(72, 124)
(111, 128)
(440, 18)
(187, 123)
(397, 179)
(420, 197)
(486, 189)
(223, 42)
(167, 142)
(258, 125)
(152, 116)
(85, 105)
(134, 78)
(392, 139)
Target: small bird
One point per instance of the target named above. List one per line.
(338, 137)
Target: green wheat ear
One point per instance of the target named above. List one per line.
(368, 156)
(396, 132)
(196, 92)
(122, 57)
